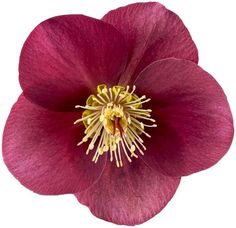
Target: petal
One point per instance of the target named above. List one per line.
(152, 32)
(129, 195)
(195, 126)
(40, 150)
(66, 57)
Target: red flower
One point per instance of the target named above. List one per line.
(66, 59)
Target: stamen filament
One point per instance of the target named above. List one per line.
(134, 112)
(116, 96)
(123, 146)
(143, 117)
(102, 98)
(86, 117)
(98, 101)
(137, 146)
(123, 97)
(140, 129)
(131, 134)
(138, 101)
(93, 121)
(89, 107)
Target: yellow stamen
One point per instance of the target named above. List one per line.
(113, 121)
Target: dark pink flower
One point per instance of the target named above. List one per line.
(140, 49)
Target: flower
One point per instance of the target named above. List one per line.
(115, 111)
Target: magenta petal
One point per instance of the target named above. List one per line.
(152, 33)
(129, 195)
(66, 57)
(195, 126)
(40, 150)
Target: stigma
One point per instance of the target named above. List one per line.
(115, 122)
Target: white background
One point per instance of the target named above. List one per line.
(205, 199)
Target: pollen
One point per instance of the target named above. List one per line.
(114, 123)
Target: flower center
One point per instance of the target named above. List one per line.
(113, 121)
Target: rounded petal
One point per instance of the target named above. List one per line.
(66, 57)
(129, 195)
(195, 125)
(40, 150)
(152, 32)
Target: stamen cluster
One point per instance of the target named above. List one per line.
(113, 120)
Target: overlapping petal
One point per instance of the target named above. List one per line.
(66, 57)
(40, 149)
(129, 195)
(195, 126)
(152, 32)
